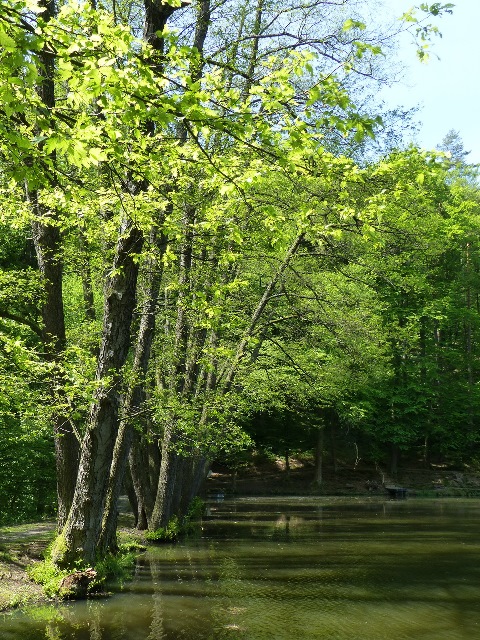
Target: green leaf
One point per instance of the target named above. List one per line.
(420, 179)
(97, 155)
(6, 41)
(350, 24)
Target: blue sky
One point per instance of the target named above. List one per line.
(447, 89)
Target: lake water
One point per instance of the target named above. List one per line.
(338, 569)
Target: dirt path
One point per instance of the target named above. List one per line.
(20, 547)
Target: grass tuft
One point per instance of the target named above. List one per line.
(48, 575)
(176, 526)
(118, 568)
(167, 534)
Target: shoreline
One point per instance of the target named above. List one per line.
(23, 545)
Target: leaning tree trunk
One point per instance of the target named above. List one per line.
(132, 405)
(79, 540)
(88, 532)
(170, 462)
(227, 376)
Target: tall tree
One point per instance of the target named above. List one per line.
(201, 144)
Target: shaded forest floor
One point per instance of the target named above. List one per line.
(270, 477)
(21, 546)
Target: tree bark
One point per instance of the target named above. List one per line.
(318, 479)
(132, 405)
(132, 497)
(83, 527)
(141, 481)
(48, 249)
(162, 509)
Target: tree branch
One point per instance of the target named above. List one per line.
(21, 320)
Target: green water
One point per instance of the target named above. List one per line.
(339, 569)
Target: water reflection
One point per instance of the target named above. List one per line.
(336, 569)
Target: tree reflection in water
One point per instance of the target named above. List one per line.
(329, 568)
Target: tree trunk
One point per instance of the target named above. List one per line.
(82, 530)
(154, 461)
(162, 510)
(333, 444)
(132, 405)
(81, 535)
(132, 497)
(184, 369)
(201, 468)
(177, 507)
(141, 482)
(394, 456)
(180, 382)
(46, 238)
(318, 478)
(47, 242)
(253, 61)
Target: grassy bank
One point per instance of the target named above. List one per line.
(23, 546)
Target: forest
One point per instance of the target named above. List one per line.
(215, 239)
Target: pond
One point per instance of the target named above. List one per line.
(296, 568)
